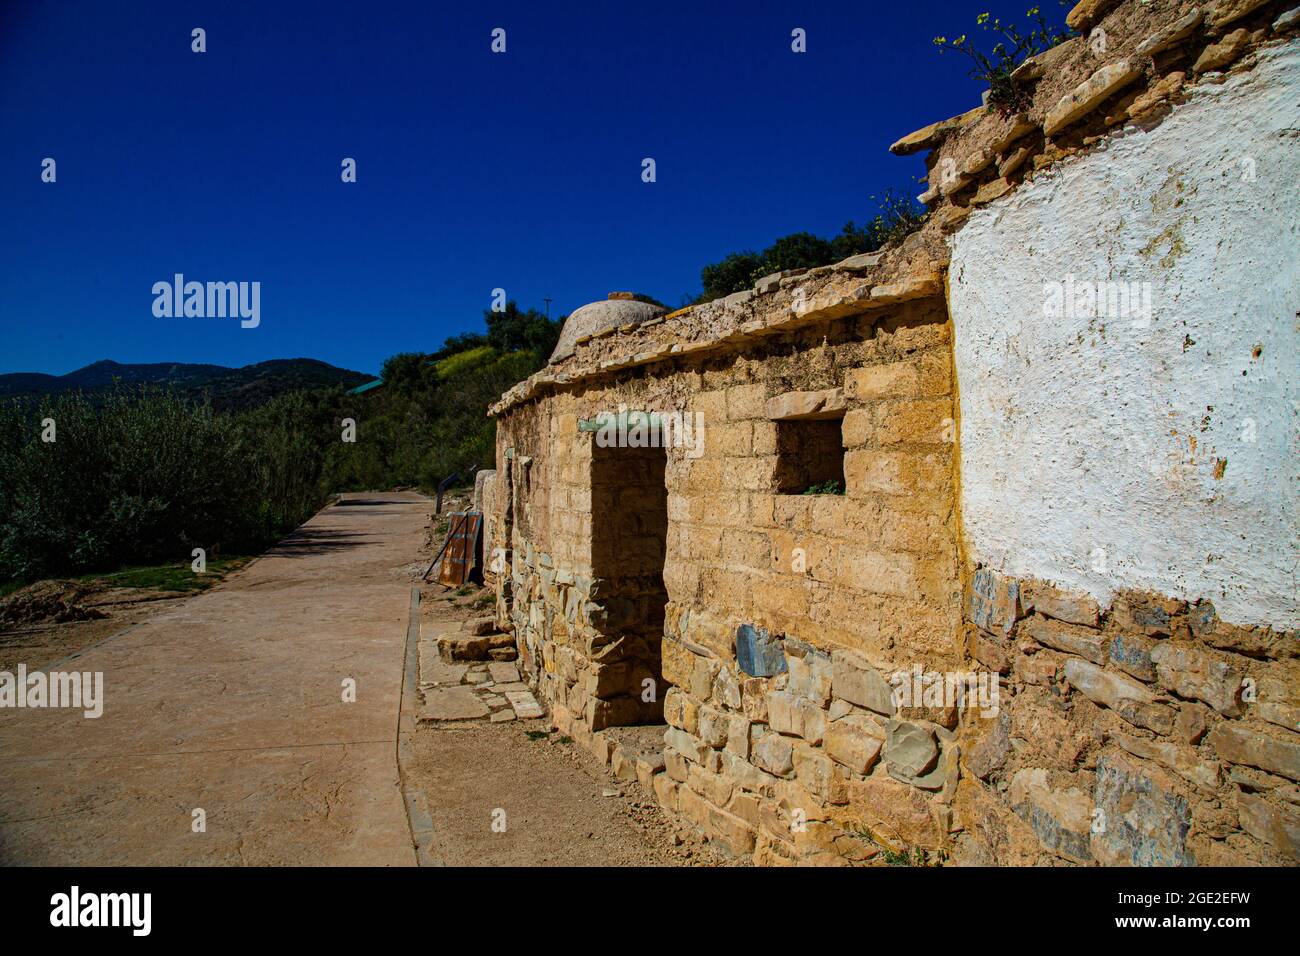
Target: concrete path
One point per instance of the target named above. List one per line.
(231, 702)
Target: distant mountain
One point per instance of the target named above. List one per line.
(228, 388)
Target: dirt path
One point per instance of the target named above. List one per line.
(515, 794)
(231, 703)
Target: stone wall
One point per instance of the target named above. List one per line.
(803, 649)
(869, 575)
(1148, 733)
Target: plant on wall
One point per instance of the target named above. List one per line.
(1011, 49)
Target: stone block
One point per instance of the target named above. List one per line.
(1167, 36)
(714, 787)
(896, 815)
(855, 680)
(1197, 674)
(726, 689)
(758, 653)
(1277, 824)
(666, 792)
(1143, 820)
(1228, 11)
(1131, 700)
(738, 735)
(1089, 94)
(713, 726)
(813, 769)
(1061, 819)
(796, 716)
(1183, 760)
(915, 378)
(676, 766)
(452, 703)
(1072, 607)
(994, 601)
(1069, 638)
(648, 767)
(910, 749)
(687, 745)
(1257, 747)
(855, 742)
(795, 406)
(1131, 653)
(775, 754)
(810, 676)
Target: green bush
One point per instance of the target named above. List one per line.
(897, 216)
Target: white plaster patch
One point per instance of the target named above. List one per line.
(1099, 453)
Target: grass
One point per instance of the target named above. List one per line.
(831, 487)
(170, 577)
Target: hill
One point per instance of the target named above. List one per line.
(228, 388)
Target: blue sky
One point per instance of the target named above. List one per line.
(475, 170)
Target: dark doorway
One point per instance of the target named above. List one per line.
(629, 521)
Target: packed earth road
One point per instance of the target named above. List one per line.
(225, 737)
(230, 735)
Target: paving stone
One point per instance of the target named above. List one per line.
(524, 703)
(503, 673)
(453, 703)
(434, 670)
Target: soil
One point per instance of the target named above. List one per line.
(562, 807)
(50, 620)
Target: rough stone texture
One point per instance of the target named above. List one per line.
(857, 682)
(1128, 698)
(854, 742)
(1145, 821)
(1175, 32)
(1090, 94)
(1199, 675)
(1223, 12)
(1218, 55)
(1060, 818)
(1100, 464)
(1265, 749)
(910, 750)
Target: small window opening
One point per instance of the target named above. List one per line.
(810, 457)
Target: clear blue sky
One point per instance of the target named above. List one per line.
(475, 170)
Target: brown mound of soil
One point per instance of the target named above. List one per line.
(46, 601)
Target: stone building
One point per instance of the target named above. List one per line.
(985, 545)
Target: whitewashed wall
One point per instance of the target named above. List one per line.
(1090, 445)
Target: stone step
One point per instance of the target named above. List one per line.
(455, 648)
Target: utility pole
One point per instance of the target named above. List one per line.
(547, 300)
